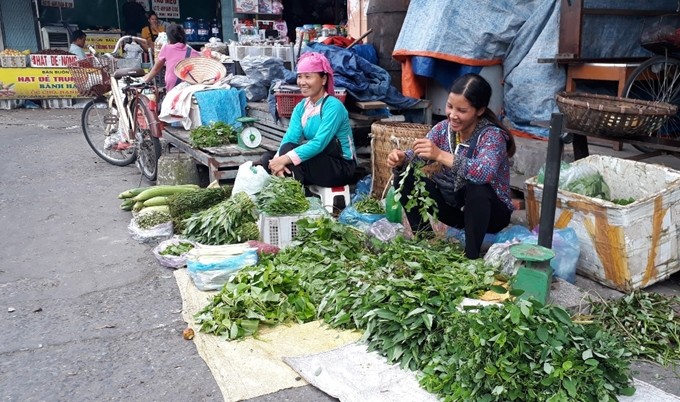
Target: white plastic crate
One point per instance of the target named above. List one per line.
(9, 104)
(623, 247)
(281, 230)
(62, 103)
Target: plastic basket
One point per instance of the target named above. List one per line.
(92, 75)
(287, 100)
(613, 116)
(280, 230)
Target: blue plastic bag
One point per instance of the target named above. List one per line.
(350, 216)
(362, 189)
(459, 234)
(565, 245)
(213, 275)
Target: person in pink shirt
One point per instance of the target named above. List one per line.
(172, 53)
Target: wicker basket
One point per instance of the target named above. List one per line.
(386, 136)
(92, 75)
(613, 116)
(287, 100)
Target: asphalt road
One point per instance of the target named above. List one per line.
(86, 313)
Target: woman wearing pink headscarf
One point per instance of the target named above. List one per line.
(318, 147)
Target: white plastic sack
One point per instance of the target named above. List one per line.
(157, 233)
(250, 179)
(171, 261)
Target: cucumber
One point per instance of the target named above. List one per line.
(163, 191)
(131, 192)
(155, 201)
(127, 204)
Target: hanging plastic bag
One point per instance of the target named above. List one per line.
(250, 179)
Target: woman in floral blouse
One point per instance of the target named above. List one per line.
(472, 191)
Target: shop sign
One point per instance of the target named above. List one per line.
(103, 43)
(166, 8)
(36, 83)
(52, 60)
(57, 3)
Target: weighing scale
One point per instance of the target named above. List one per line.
(250, 137)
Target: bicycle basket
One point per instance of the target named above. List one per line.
(92, 75)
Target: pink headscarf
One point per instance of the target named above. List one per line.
(313, 62)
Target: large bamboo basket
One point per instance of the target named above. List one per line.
(386, 136)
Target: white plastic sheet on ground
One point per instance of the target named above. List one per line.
(253, 367)
(352, 374)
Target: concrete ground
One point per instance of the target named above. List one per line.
(87, 312)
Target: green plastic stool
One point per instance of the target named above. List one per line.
(535, 274)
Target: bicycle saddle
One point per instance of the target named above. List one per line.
(132, 72)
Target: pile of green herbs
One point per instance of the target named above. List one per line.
(228, 222)
(282, 196)
(214, 135)
(150, 219)
(405, 296)
(369, 205)
(177, 249)
(183, 205)
(648, 323)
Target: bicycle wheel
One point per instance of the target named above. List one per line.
(100, 126)
(148, 145)
(657, 79)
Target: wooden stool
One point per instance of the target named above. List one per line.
(619, 72)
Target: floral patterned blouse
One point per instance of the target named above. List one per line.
(489, 162)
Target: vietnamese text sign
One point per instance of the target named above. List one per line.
(36, 83)
(166, 8)
(57, 3)
(52, 60)
(103, 43)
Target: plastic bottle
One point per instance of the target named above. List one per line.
(214, 29)
(190, 30)
(202, 30)
(393, 209)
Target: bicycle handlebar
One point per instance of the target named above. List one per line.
(121, 40)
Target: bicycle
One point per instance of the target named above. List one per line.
(121, 123)
(658, 79)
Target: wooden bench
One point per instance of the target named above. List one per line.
(222, 162)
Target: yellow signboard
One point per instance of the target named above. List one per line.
(103, 43)
(36, 83)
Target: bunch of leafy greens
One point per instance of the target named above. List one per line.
(419, 196)
(369, 205)
(214, 135)
(524, 351)
(405, 296)
(649, 324)
(230, 221)
(282, 196)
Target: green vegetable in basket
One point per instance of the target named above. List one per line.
(282, 196)
(623, 201)
(215, 135)
(369, 205)
(177, 249)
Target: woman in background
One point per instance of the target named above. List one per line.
(172, 53)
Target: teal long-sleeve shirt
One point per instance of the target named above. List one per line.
(319, 129)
